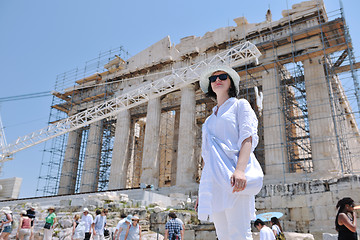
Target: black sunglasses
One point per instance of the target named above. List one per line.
(222, 77)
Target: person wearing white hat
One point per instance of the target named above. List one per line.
(6, 223)
(88, 220)
(231, 175)
(24, 229)
(123, 228)
(133, 231)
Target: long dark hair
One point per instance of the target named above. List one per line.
(275, 220)
(231, 91)
(341, 206)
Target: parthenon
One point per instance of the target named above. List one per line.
(304, 91)
(307, 126)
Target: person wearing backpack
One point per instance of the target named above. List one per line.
(277, 229)
(6, 223)
(173, 229)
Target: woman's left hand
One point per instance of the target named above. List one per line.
(238, 181)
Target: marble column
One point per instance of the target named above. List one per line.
(175, 147)
(150, 160)
(322, 135)
(70, 164)
(186, 162)
(120, 155)
(274, 126)
(90, 172)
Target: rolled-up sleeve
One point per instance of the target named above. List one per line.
(204, 150)
(248, 123)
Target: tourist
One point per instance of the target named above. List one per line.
(123, 228)
(50, 221)
(99, 224)
(78, 229)
(173, 229)
(345, 221)
(31, 214)
(122, 220)
(133, 231)
(88, 220)
(182, 224)
(24, 229)
(265, 232)
(6, 223)
(277, 229)
(231, 175)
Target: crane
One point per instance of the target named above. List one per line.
(241, 54)
(3, 144)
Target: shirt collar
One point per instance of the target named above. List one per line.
(230, 100)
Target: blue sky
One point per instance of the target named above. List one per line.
(41, 38)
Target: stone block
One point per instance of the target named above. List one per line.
(296, 214)
(330, 236)
(277, 202)
(65, 223)
(289, 225)
(160, 228)
(208, 235)
(204, 227)
(78, 202)
(65, 203)
(320, 212)
(322, 226)
(307, 214)
(317, 186)
(95, 202)
(160, 217)
(320, 199)
(298, 236)
(189, 234)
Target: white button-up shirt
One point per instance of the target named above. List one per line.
(223, 135)
(88, 220)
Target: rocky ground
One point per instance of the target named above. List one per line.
(152, 217)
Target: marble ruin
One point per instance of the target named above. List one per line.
(309, 137)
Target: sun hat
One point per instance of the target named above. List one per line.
(23, 212)
(6, 210)
(204, 77)
(51, 208)
(135, 218)
(85, 210)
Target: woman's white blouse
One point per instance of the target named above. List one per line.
(235, 121)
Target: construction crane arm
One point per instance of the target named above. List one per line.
(238, 55)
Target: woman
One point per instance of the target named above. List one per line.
(133, 231)
(50, 221)
(277, 229)
(78, 230)
(345, 221)
(24, 229)
(123, 228)
(231, 174)
(6, 223)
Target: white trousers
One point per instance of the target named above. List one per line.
(235, 223)
(48, 233)
(99, 236)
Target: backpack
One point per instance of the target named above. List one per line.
(176, 235)
(280, 236)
